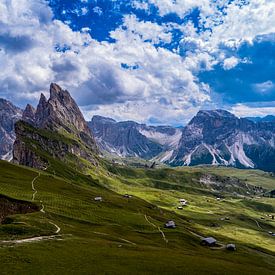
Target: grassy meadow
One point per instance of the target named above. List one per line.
(126, 236)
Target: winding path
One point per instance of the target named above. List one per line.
(33, 187)
(58, 229)
(56, 226)
(161, 232)
(257, 223)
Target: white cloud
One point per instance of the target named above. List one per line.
(264, 87)
(92, 70)
(242, 110)
(163, 83)
(230, 63)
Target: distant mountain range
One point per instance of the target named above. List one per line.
(268, 118)
(9, 114)
(129, 138)
(214, 137)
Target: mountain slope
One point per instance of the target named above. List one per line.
(219, 138)
(124, 235)
(9, 114)
(130, 139)
(56, 128)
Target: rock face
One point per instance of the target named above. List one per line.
(28, 114)
(57, 127)
(219, 138)
(130, 139)
(60, 111)
(214, 137)
(9, 114)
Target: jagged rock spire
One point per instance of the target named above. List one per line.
(29, 114)
(55, 90)
(41, 111)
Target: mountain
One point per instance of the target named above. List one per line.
(214, 137)
(269, 118)
(57, 127)
(130, 139)
(9, 114)
(220, 138)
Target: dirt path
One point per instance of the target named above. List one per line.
(257, 223)
(161, 232)
(33, 187)
(30, 240)
(56, 226)
(58, 229)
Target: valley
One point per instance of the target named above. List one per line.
(117, 234)
(88, 214)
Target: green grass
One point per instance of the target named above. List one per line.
(93, 234)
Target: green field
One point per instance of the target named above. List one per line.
(75, 234)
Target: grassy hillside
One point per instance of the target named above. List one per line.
(76, 234)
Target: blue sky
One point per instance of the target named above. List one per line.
(154, 61)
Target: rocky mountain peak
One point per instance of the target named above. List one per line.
(41, 111)
(29, 114)
(55, 89)
(215, 117)
(7, 106)
(102, 119)
(59, 114)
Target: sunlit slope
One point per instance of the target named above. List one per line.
(117, 235)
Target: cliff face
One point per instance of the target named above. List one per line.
(57, 129)
(9, 114)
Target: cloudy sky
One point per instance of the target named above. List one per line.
(154, 61)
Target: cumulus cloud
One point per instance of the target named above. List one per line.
(135, 76)
(230, 63)
(90, 69)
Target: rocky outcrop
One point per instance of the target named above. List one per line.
(57, 130)
(9, 114)
(9, 206)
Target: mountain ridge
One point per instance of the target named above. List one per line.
(215, 137)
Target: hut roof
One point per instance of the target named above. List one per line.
(209, 240)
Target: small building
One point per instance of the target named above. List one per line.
(98, 199)
(170, 224)
(183, 202)
(209, 241)
(231, 247)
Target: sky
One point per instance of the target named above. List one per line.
(152, 61)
